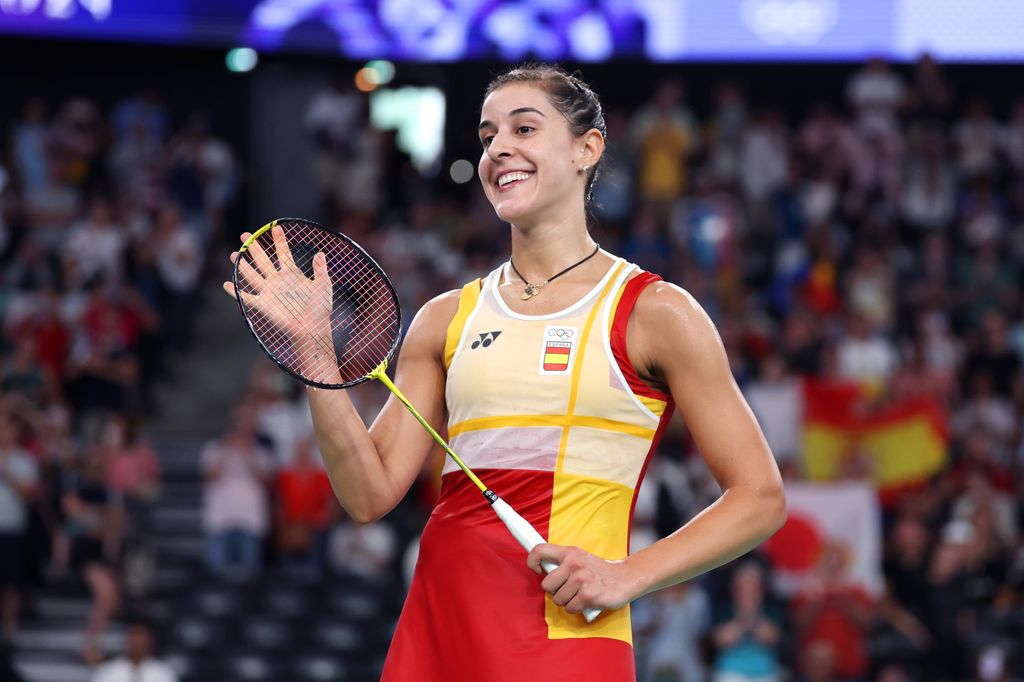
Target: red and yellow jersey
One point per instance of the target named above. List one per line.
(549, 412)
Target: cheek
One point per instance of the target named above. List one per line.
(483, 170)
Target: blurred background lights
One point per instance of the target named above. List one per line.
(384, 71)
(366, 79)
(461, 171)
(241, 59)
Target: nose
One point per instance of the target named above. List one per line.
(500, 147)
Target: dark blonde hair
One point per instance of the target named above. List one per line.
(573, 98)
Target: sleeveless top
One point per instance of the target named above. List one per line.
(551, 415)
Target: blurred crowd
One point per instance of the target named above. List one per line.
(878, 240)
(105, 219)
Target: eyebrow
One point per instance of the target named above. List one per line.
(514, 112)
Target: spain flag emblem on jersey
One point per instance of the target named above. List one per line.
(556, 356)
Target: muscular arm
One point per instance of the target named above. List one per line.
(372, 469)
(673, 341)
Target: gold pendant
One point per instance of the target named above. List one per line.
(530, 291)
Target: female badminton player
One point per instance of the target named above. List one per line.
(555, 375)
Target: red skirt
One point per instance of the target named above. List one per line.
(475, 611)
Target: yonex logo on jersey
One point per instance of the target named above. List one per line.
(557, 349)
(486, 339)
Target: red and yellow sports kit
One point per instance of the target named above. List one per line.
(549, 412)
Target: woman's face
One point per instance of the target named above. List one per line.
(530, 157)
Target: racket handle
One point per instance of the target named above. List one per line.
(529, 538)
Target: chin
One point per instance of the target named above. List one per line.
(510, 212)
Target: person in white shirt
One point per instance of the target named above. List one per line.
(138, 664)
(19, 475)
(236, 514)
(96, 243)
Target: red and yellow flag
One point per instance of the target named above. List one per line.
(902, 443)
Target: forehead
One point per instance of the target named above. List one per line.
(514, 96)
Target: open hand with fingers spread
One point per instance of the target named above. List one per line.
(285, 298)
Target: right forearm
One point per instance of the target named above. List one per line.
(358, 473)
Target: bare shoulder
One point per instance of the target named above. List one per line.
(429, 327)
(668, 326)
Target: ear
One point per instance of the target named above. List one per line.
(591, 145)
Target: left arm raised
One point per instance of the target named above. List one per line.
(673, 342)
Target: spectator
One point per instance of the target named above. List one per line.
(29, 145)
(133, 472)
(978, 138)
(1014, 137)
(831, 614)
(306, 508)
(663, 135)
(92, 533)
(863, 355)
(236, 471)
(97, 243)
(777, 400)
(368, 550)
(19, 476)
(747, 632)
(179, 264)
(876, 94)
(681, 618)
(930, 95)
(51, 207)
(993, 355)
(138, 663)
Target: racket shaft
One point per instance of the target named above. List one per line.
(380, 374)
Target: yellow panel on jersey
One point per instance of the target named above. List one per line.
(549, 420)
(594, 515)
(467, 303)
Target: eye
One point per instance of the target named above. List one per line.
(525, 129)
(486, 141)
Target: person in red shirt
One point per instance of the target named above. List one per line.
(306, 508)
(831, 611)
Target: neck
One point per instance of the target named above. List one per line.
(543, 250)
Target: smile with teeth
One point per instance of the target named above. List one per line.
(514, 176)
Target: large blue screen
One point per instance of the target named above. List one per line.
(582, 30)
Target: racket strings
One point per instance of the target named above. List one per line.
(363, 310)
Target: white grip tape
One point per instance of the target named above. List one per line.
(529, 538)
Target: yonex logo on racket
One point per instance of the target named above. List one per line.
(486, 339)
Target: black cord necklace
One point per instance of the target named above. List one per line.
(532, 290)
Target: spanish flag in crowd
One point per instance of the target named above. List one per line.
(902, 443)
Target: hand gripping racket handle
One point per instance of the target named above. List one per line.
(529, 538)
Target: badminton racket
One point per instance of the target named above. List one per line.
(325, 312)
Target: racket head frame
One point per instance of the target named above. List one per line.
(383, 365)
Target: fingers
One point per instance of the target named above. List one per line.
(284, 252)
(259, 257)
(251, 276)
(575, 605)
(567, 592)
(544, 552)
(320, 267)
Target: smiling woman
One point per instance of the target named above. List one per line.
(555, 374)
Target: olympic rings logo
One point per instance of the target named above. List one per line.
(561, 333)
